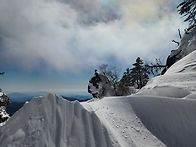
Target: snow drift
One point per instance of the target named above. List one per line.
(173, 121)
(54, 122)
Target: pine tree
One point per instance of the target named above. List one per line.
(139, 74)
(187, 8)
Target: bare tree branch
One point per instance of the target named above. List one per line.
(176, 42)
(179, 33)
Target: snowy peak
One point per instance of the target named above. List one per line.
(53, 121)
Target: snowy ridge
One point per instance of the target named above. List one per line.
(54, 122)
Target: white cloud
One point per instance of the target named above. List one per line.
(76, 34)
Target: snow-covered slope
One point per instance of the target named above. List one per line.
(171, 120)
(54, 122)
(132, 119)
(179, 81)
(117, 114)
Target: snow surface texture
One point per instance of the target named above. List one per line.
(122, 123)
(54, 122)
(171, 120)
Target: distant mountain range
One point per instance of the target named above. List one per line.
(25, 96)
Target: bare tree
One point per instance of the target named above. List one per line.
(180, 36)
(111, 73)
(187, 9)
(155, 68)
(174, 41)
(179, 33)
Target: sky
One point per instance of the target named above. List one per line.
(55, 45)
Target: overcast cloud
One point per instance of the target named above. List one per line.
(77, 34)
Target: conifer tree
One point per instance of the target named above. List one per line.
(187, 8)
(139, 73)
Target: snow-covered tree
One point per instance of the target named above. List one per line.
(107, 83)
(100, 86)
(136, 76)
(111, 73)
(4, 102)
(139, 73)
(125, 87)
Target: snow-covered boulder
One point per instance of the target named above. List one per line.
(54, 122)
